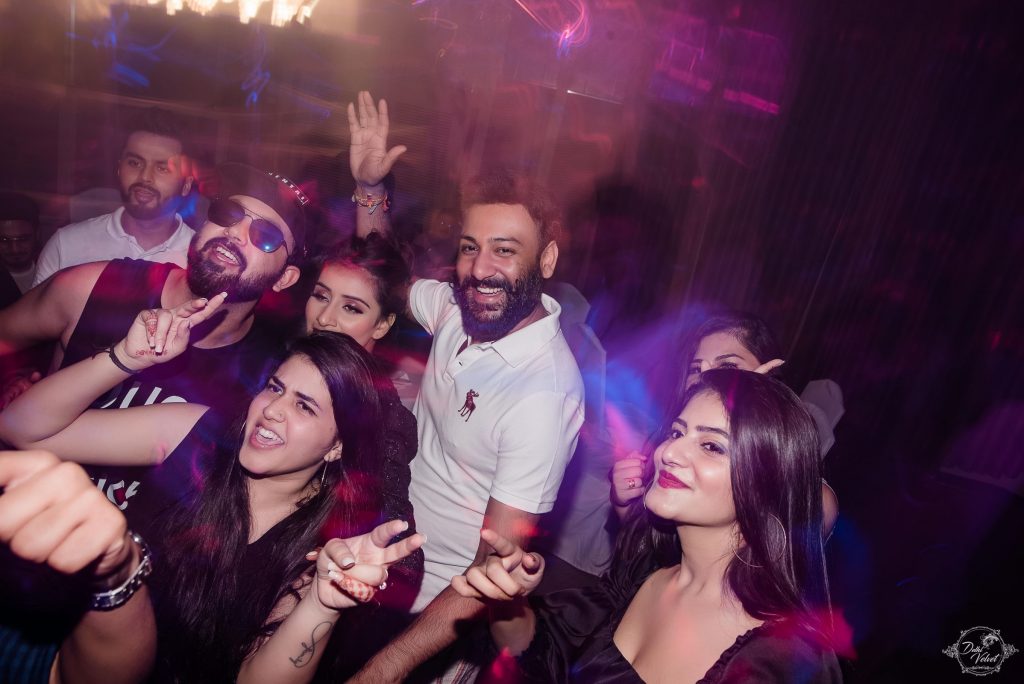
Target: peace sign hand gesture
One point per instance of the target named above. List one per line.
(352, 571)
(160, 335)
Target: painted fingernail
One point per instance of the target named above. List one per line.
(311, 555)
(334, 575)
(347, 563)
(333, 566)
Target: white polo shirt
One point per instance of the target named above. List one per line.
(102, 239)
(513, 445)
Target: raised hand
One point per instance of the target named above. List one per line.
(507, 573)
(369, 156)
(351, 571)
(628, 479)
(159, 335)
(51, 512)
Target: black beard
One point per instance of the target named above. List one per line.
(206, 278)
(167, 207)
(520, 300)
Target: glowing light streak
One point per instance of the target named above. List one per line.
(110, 39)
(570, 34)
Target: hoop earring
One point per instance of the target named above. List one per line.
(777, 557)
(322, 476)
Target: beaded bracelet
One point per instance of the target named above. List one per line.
(371, 202)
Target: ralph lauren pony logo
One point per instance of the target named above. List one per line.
(469, 406)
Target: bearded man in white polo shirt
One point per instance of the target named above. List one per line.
(154, 178)
(499, 410)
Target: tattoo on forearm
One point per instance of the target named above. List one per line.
(308, 650)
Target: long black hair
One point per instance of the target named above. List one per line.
(779, 570)
(213, 612)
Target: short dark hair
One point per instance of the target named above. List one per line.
(383, 260)
(504, 186)
(15, 206)
(158, 121)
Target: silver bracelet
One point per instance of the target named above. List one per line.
(115, 598)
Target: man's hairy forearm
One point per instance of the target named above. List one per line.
(436, 628)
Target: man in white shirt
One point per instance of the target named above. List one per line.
(499, 411)
(154, 179)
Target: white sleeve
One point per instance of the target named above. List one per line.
(48, 262)
(537, 441)
(428, 302)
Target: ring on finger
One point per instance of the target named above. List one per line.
(631, 483)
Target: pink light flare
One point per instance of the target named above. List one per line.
(551, 15)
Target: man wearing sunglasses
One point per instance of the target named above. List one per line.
(254, 241)
(154, 178)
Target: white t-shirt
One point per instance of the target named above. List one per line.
(513, 445)
(102, 239)
(24, 279)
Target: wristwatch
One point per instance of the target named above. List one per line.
(115, 598)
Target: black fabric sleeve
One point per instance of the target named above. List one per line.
(567, 619)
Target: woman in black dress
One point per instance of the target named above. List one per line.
(237, 593)
(719, 578)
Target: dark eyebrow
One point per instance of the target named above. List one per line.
(320, 284)
(307, 399)
(717, 431)
(467, 238)
(505, 239)
(728, 356)
(300, 395)
(356, 299)
(701, 428)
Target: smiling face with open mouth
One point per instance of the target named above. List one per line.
(693, 482)
(222, 259)
(500, 269)
(290, 426)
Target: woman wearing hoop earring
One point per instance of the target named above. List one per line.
(720, 580)
(237, 596)
(727, 339)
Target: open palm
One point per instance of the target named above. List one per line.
(369, 156)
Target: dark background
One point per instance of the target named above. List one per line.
(848, 170)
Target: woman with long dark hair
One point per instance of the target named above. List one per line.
(720, 577)
(360, 289)
(237, 594)
(725, 339)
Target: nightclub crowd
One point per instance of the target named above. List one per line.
(225, 466)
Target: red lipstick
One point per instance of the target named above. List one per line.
(667, 480)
